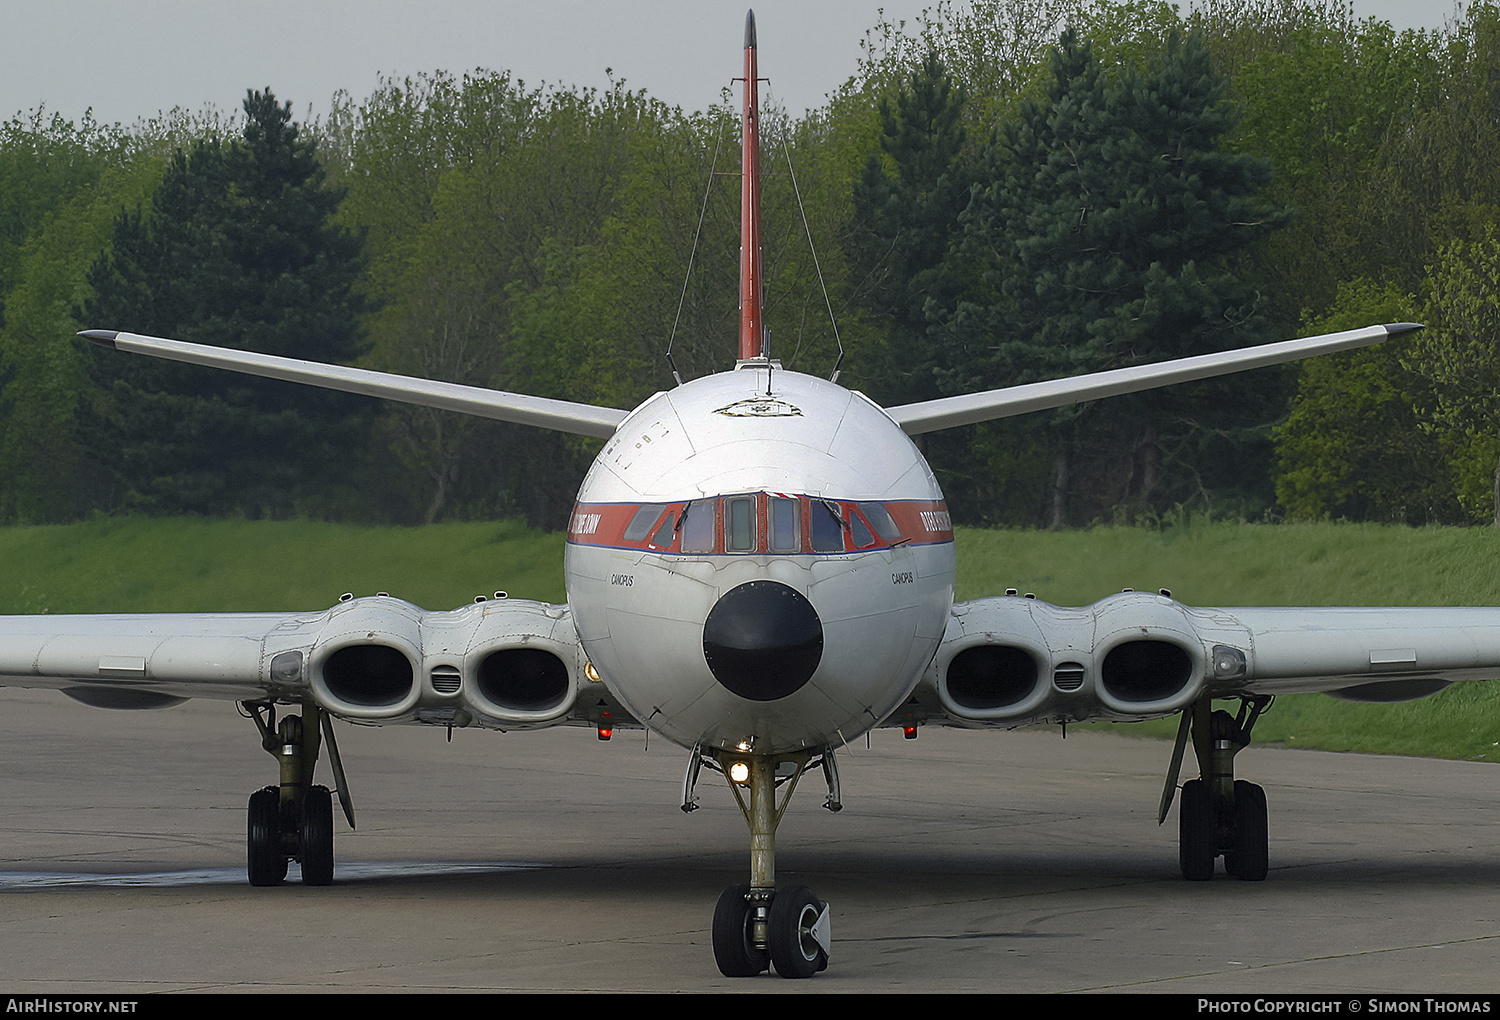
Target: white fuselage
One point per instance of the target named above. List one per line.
(804, 499)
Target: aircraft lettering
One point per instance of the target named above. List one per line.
(585, 524)
(623, 580)
(937, 520)
(902, 577)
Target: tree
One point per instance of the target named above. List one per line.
(1353, 445)
(60, 185)
(908, 203)
(1343, 110)
(1105, 223)
(1458, 352)
(239, 249)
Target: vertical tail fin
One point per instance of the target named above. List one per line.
(752, 326)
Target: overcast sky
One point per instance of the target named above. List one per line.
(134, 58)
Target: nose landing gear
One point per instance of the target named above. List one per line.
(755, 926)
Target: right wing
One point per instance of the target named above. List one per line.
(544, 412)
(501, 663)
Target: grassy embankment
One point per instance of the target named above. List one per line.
(136, 565)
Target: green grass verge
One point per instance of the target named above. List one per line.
(193, 565)
(189, 565)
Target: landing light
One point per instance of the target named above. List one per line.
(739, 772)
(590, 672)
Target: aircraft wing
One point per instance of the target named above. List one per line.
(968, 409)
(544, 412)
(501, 663)
(1013, 660)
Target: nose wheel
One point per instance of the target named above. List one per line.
(798, 933)
(796, 926)
(735, 948)
(755, 926)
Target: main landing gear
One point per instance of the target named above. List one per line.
(1220, 815)
(293, 820)
(756, 925)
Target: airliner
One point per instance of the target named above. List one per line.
(760, 569)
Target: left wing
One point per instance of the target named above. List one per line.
(501, 663)
(1013, 660)
(970, 408)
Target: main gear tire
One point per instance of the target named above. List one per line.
(1196, 843)
(317, 837)
(1251, 833)
(265, 864)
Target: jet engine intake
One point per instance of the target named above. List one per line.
(524, 681)
(1146, 671)
(368, 677)
(1152, 654)
(366, 658)
(989, 677)
(504, 663)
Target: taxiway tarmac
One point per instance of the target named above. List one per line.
(553, 861)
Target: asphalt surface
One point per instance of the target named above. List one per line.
(551, 861)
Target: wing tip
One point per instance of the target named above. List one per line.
(102, 337)
(1398, 328)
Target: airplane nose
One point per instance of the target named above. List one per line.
(763, 640)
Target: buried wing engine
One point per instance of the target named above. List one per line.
(1013, 661)
(499, 663)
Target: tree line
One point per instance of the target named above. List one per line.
(1006, 190)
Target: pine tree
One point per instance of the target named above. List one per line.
(1104, 227)
(908, 203)
(239, 249)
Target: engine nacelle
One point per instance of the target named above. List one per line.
(502, 663)
(1149, 656)
(1016, 660)
(365, 661)
(522, 668)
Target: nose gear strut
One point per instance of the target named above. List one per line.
(756, 926)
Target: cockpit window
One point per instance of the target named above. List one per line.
(698, 526)
(640, 524)
(859, 532)
(760, 524)
(739, 524)
(826, 525)
(880, 519)
(785, 520)
(665, 532)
